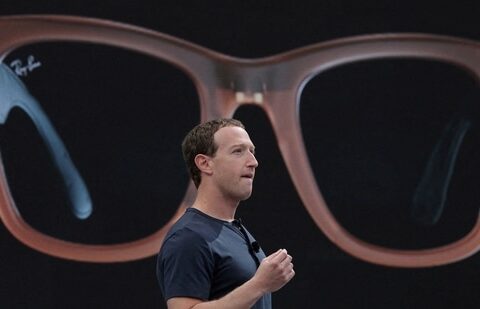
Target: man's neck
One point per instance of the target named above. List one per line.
(215, 205)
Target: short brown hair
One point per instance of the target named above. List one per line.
(200, 141)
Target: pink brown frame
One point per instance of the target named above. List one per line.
(224, 83)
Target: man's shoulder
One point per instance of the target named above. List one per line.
(184, 233)
(183, 242)
(192, 227)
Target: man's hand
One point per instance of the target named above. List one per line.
(274, 271)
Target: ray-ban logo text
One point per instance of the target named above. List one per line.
(22, 69)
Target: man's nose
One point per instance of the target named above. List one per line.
(252, 161)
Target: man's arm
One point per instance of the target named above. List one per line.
(274, 272)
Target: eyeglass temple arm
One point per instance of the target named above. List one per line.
(431, 193)
(14, 93)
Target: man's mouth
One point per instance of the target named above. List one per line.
(249, 176)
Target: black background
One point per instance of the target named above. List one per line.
(326, 277)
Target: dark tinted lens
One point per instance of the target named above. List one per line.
(121, 117)
(393, 145)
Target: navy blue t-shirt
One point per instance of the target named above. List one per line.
(205, 258)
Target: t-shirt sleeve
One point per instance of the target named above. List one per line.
(185, 266)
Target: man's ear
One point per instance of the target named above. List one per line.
(203, 163)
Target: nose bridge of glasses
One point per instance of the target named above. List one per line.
(248, 88)
(248, 83)
(248, 97)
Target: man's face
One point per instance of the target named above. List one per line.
(234, 163)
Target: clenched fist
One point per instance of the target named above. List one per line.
(274, 271)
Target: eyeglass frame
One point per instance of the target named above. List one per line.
(224, 83)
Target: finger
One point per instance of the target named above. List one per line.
(280, 256)
(289, 269)
(274, 254)
(291, 275)
(286, 262)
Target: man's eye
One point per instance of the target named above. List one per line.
(237, 150)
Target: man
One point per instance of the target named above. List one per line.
(208, 259)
